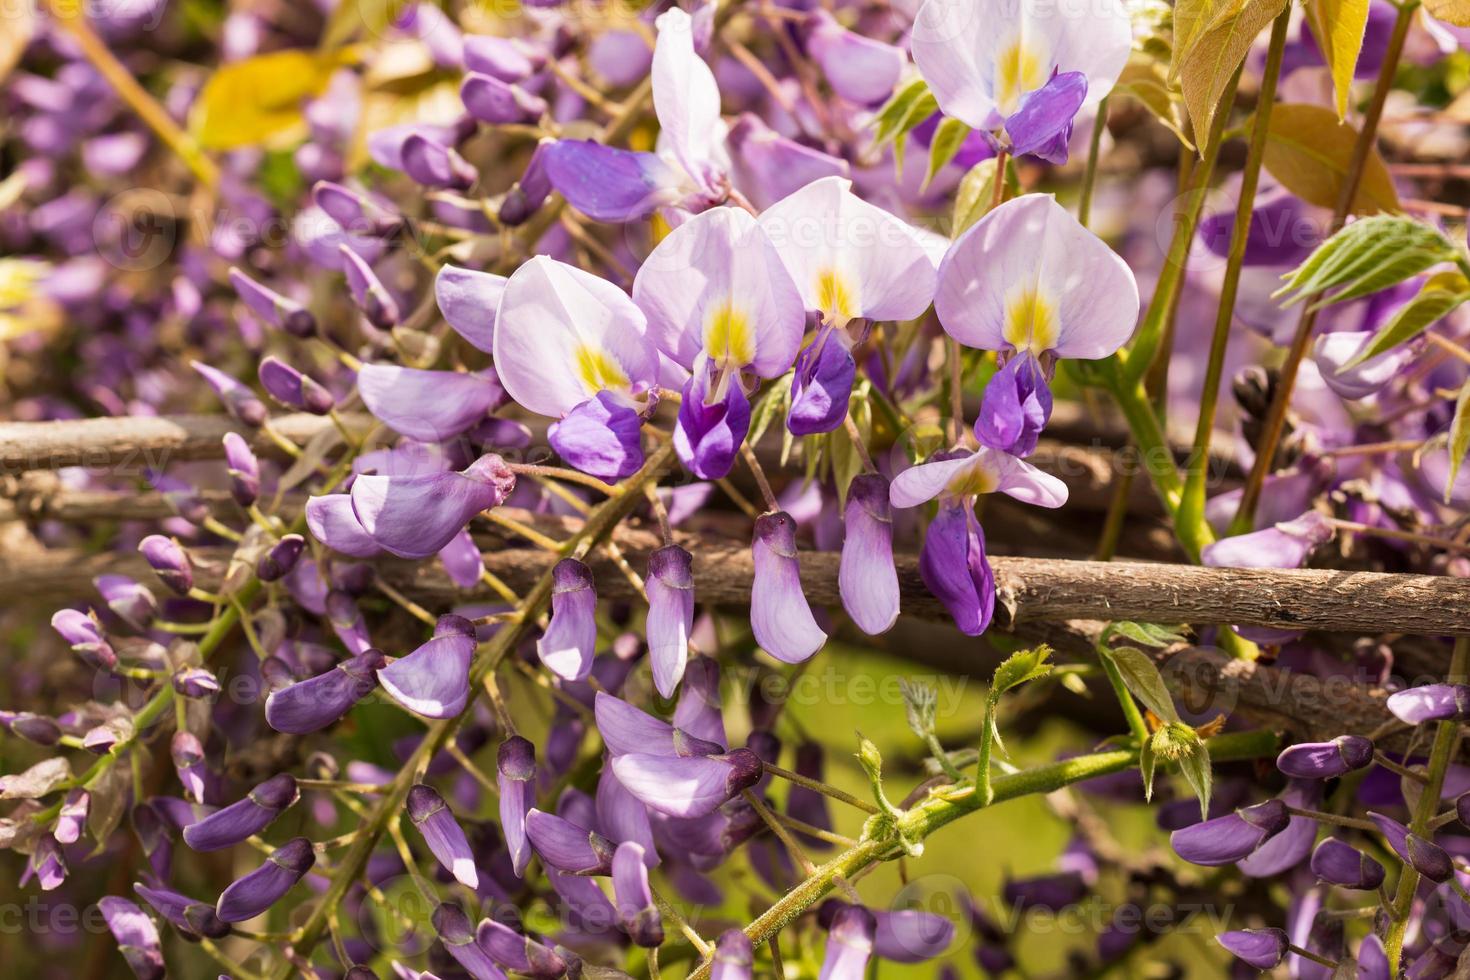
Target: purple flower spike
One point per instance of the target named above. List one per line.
(257, 891)
(347, 621)
(188, 757)
(602, 437)
(1016, 407)
(434, 680)
(368, 291)
(497, 102)
(244, 469)
(849, 944)
(292, 388)
(356, 213)
(1042, 126)
(515, 764)
(169, 562)
(1373, 960)
(1431, 702)
(609, 184)
(1325, 760)
(129, 601)
(634, 899)
(272, 307)
(734, 957)
(416, 516)
(1227, 839)
(136, 935)
(866, 577)
(567, 847)
(282, 557)
(953, 565)
(84, 635)
(232, 824)
(433, 164)
(518, 952)
(442, 833)
(72, 819)
(1338, 863)
(822, 385)
(1263, 949)
(670, 587)
(457, 934)
(314, 704)
(468, 301)
(567, 646)
(779, 615)
(238, 400)
(1425, 857)
(711, 426)
(911, 935)
(688, 786)
(192, 918)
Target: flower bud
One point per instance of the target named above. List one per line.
(72, 819)
(849, 944)
(196, 682)
(83, 634)
(315, 703)
(34, 728)
(238, 400)
(272, 307)
(368, 291)
(1325, 760)
(1263, 949)
(1227, 839)
(137, 937)
(128, 600)
(779, 614)
(570, 640)
(292, 388)
(169, 562)
(567, 847)
(518, 952)
(442, 833)
(257, 891)
(1431, 702)
(1339, 863)
(634, 899)
(282, 557)
(194, 919)
(244, 818)
(1424, 856)
(515, 763)
(734, 956)
(670, 588)
(457, 934)
(244, 469)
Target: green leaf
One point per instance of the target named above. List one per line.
(259, 100)
(1143, 679)
(1018, 668)
(1154, 635)
(1147, 82)
(976, 192)
(913, 99)
(920, 701)
(771, 405)
(1309, 150)
(1366, 256)
(1459, 438)
(1205, 60)
(948, 138)
(1147, 761)
(1439, 295)
(1341, 24)
(1196, 769)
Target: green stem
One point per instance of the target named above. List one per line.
(1089, 176)
(1136, 724)
(936, 812)
(1275, 422)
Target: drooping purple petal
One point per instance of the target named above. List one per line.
(633, 898)
(699, 711)
(570, 640)
(1042, 125)
(670, 588)
(1227, 839)
(1339, 863)
(518, 952)
(169, 562)
(822, 385)
(416, 516)
(1263, 949)
(609, 184)
(137, 937)
(1426, 857)
(272, 307)
(368, 291)
(468, 300)
(602, 437)
(429, 406)
(230, 825)
(866, 577)
(687, 787)
(515, 763)
(779, 614)
(192, 918)
(1016, 407)
(711, 428)
(849, 944)
(457, 934)
(954, 568)
(491, 100)
(1325, 760)
(567, 847)
(442, 833)
(315, 703)
(1430, 702)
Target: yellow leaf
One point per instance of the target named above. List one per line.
(1147, 81)
(1192, 20)
(260, 99)
(1455, 12)
(1205, 68)
(20, 25)
(1339, 26)
(1309, 151)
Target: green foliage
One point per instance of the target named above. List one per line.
(948, 138)
(1439, 296)
(1015, 670)
(1459, 438)
(976, 192)
(1366, 256)
(910, 105)
(1310, 151)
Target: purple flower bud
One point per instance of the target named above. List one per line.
(849, 944)
(238, 400)
(347, 621)
(1263, 949)
(1373, 960)
(1324, 760)
(315, 703)
(232, 824)
(1053, 892)
(47, 864)
(193, 919)
(497, 102)
(570, 640)
(1227, 839)
(609, 184)
(433, 164)
(515, 764)
(1283, 545)
(137, 937)
(1339, 863)
(670, 587)
(567, 847)
(244, 469)
(368, 291)
(129, 601)
(526, 195)
(72, 819)
(457, 934)
(518, 952)
(196, 683)
(272, 307)
(168, 561)
(866, 577)
(779, 615)
(734, 957)
(355, 212)
(911, 935)
(34, 728)
(1431, 702)
(1462, 809)
(282, 557)
(689, 786)
(1016, 407)
(83, 634)
(247, 897)
(442, 833)
(602, 437)
(507, 59)
(434, 680)
(1424, 856)
(822, 385)
(188, 756)
(634, 899)
(292, 388)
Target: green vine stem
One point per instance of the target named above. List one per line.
(1275, 421)
(940, 810)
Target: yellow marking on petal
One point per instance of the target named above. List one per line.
(1019, 69)
(835, 297)
(972, 480)
(598, 370)
(728, 338)
(1031, 321)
